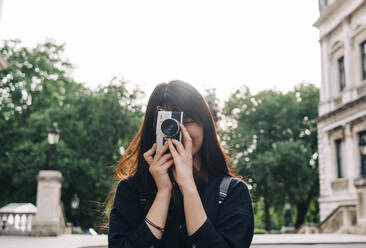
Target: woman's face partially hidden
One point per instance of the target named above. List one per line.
(195, 130)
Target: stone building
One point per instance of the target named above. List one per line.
(342, 116)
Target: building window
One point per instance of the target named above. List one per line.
(363, 59)
(338, 143)
(342, 76)
(362, 145)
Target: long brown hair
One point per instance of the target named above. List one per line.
(181, 96)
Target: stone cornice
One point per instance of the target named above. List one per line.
(327, 12)
(50, 175)
(358, 29)
(340, 9)
(341, 109)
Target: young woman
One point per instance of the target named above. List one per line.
(155, 208)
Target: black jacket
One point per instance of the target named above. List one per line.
(230, 224)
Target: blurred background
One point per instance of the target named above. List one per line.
(90, 66)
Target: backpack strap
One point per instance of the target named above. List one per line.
(224, 187)
(142, 206)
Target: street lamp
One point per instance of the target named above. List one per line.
(53, 134)
(74, 206)
(287, 213)
(53, 138)
(288, 227)
(75, 202)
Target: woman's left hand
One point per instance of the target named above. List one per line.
(183, 161)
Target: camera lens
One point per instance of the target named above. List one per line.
(170, 127)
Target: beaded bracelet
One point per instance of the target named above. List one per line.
(157, 227)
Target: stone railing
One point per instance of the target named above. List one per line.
(341, 220)
(17, 218)
(16, 223)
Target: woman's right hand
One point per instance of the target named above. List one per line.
(158, 167)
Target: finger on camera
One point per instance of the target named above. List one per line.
(186, 137)
(179, 146)
(172, 149)
(162, 150)
(185, 133)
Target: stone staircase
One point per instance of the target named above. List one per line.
(342, 220)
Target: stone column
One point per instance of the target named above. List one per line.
(348, 61)
(360, 183)
(347, 53)
(48, 220)
(325, 93)
(349, 156)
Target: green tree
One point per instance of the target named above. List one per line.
(35, 79)
(36, 90)
(271, 137)
(213, 102)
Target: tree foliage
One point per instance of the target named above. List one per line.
(272, 138)
(36, 90)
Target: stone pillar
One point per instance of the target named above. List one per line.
(349, 156)
(347, 220)
(48, 220)
(325, 91)
(348, 61)
(360, 183)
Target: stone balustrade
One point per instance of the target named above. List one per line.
(17, 219)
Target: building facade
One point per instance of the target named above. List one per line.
(342, 115)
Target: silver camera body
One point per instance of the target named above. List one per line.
(168, 125)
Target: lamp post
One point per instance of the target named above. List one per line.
(287, 213)
(288, 227)
(48, 220)
(53, 138)
(74, 207)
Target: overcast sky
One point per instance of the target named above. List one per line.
(208, 43)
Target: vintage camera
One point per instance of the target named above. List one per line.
(168, 125)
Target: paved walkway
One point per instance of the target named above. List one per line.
(63, 241)
(308, 239)
(259, 240)
(310, 246)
